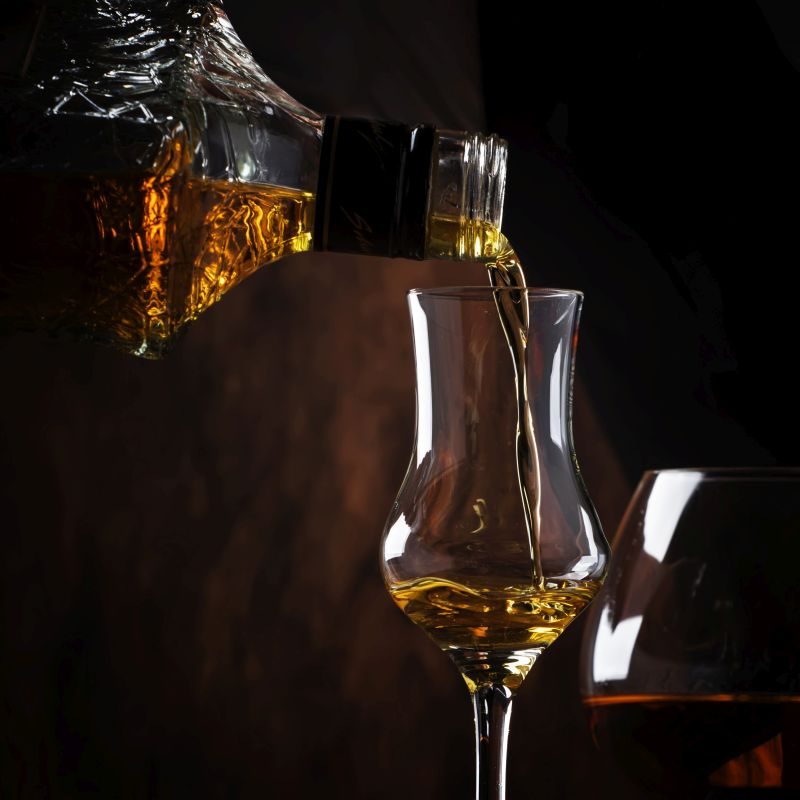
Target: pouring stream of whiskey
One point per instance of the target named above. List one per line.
(511, 299)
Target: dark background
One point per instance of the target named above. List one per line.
(191, 604)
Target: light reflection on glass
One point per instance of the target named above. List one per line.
(613, 648)
(669, 496)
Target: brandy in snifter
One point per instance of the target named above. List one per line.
(691, 654)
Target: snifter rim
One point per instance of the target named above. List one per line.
(486, 292)
(728, 473)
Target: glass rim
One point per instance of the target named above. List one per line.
(727, 473)
(486, 291)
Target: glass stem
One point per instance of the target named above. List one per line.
(492, 721)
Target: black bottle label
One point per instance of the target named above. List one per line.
(373, 190)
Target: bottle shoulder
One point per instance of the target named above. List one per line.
(110, 92)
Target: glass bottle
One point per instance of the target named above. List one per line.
(150, 165)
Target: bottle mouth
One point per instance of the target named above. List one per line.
(469, 177)
(485, 163)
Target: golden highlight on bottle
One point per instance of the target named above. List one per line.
(130, 260)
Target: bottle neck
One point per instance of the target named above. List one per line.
(373, 189)
(388, 189)
(467, 193)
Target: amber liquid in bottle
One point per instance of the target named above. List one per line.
(130, 260)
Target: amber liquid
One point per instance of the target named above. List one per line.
(703, 746)
(493, 632)
(130, 260)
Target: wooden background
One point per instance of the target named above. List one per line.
(191, 603)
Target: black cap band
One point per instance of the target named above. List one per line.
(374, 182)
